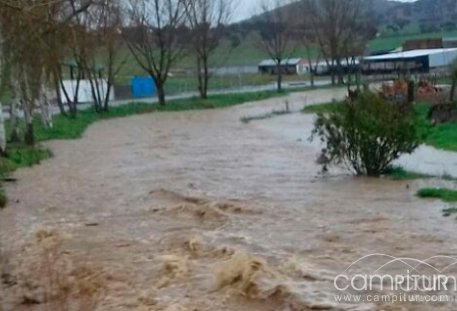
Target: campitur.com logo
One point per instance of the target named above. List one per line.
(399, 279)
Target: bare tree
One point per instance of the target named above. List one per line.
(98, 49)
(207, 20)
(154, 37)
(29, 27)
(310, 44)
(342, 30)
(278, 36)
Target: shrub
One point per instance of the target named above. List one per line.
(367, 134)
(445, 195)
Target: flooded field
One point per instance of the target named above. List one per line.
(198, 211)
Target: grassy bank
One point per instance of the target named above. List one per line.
(399, 173)
(443, 194)
(442, 136)
(19, 156)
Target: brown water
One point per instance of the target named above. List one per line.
(199, 211)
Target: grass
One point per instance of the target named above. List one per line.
(19, 156)
(265, 116)
(399, 173)
(322, 108)
(384, 43)
(22, 156)
(441, 136)
(443, 194)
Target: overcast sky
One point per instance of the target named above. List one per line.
(247, 8)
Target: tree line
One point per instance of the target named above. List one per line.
(38, 38)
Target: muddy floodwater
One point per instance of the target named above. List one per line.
(200, 211)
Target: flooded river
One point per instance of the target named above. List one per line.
(199, 211)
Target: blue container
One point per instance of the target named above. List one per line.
(143, 87)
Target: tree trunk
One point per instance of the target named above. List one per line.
(45, 107)
(107, 97)
(454, 85)
(160, 93)
(29, 135)
(279, 77)
(339, 71)
(202, 77)
(2, 132)
(14, 120)
(55, 80)
(205, 79)
(311, 78)
(332, 71)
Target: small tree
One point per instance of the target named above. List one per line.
(206, 20)
(154, 36)
(342, 28)
(367, 134)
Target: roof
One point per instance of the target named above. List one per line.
(408, 54)
(289, 61)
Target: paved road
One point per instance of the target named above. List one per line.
(152, 100)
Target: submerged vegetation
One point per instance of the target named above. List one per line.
(366, 134)
(399, 173)
(441, 136)
(446, 195)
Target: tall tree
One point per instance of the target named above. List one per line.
(277, 36)
(342, 29)
(29, 26)
(97, 46)
(207, 20)
(154, 37)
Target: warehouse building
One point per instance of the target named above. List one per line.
(291, 66)
(414, 61)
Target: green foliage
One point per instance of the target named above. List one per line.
(322, 108)
(384, 43)
(366, 135)
(19, 156)
(22, 156)
(399, 173)
(441, 136)
(443, 194)
(265, 116)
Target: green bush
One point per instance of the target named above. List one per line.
(445, 195)
(367, 134)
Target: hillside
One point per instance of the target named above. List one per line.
(396, 18)
(420, 16)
